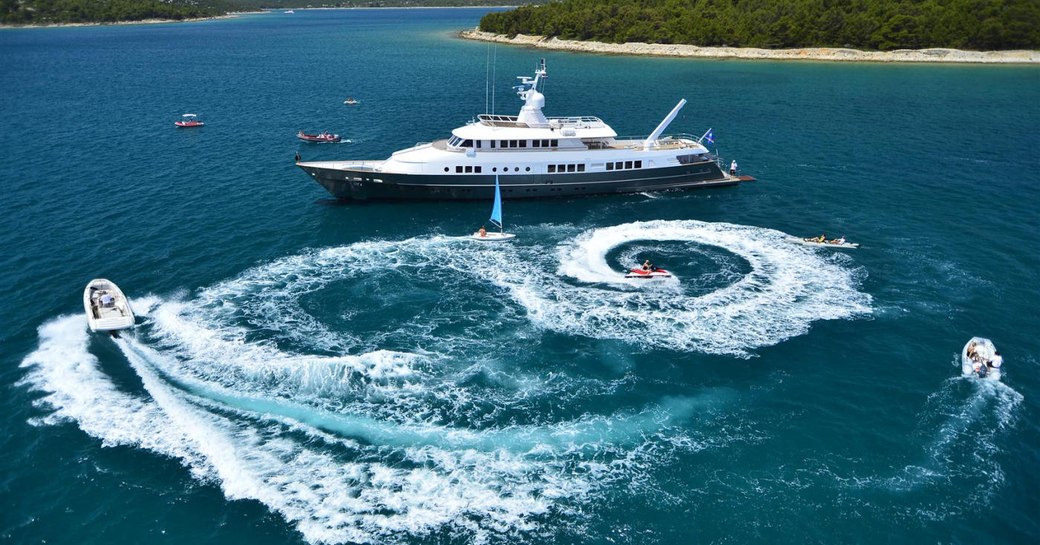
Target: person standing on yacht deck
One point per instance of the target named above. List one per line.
(733, 167)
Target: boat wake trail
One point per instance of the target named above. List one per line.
(389, 390)
(783, 290)
(960, 431)
(958, 470)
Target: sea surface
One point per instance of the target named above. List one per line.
(307, 371)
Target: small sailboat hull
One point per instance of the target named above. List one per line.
(496, 220)
(492, 237)
(106, 307)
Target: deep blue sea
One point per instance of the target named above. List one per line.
(307, 371)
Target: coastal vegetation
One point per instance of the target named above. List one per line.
(43, 12)
(48, 12)
(881, 25)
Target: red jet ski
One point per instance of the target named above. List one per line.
(652, 273)
(322, 137)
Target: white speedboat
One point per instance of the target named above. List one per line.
(980, 358)
(536, 156)
(106, 307)
(835, 243)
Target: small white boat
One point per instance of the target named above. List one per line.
(106, 307)
(289, 12)
(980, 358)
(836, 243)
(496, 219)
(350, 101)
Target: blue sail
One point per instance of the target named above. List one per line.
(496, 212)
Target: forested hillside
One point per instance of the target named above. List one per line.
(863, 24)
(105, 11)
(41, 12)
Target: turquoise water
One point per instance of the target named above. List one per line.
(312, 372)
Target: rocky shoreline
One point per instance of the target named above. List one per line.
(935, 55)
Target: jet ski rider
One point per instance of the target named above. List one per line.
(649, 267)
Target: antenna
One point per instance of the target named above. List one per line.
(494, 65)
(487, 82)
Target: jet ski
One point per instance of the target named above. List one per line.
(638, 272)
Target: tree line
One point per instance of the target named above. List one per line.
(41, 12)
(28, 12)
(883, 25)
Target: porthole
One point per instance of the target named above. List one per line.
(445, 169)
(527, 169)
(516, 169)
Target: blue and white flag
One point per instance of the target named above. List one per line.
(709, 136)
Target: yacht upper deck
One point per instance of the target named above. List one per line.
(512, 121)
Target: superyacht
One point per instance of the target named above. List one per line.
(532, 156)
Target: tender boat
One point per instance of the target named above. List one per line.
(106, 307)
(289, 12)
(496, 219)
(350, 101)
(835, 243)
(190, 120)
(535, 156)
(980, 358)
(652, 273)
(322, 137)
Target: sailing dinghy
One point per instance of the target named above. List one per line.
(496, 220)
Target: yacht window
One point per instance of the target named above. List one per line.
(581, 167)
(517, 169)
(494, 169)
(469, 169)
(478, 144)
(536, 143)
(545, 143)
(467, 143)
(628, 164)
(561, 168)
(454, 141)
(570, 168)
(503, 144)
(445, 169)
(477, 169)
(610, 166)
(619, 165)
(527, 169)
(458, 169)
(639, 164)
(492, 144)
(552, 168)
(523, 143)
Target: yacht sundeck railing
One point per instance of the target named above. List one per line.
(681, 140)
(577, 122)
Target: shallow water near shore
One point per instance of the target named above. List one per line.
(306, 371)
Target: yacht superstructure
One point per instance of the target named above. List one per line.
(532, 155)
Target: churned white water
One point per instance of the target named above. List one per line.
(372, 435)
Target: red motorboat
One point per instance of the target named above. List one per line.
(190, 120)
(651, 273)
(325, 137)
